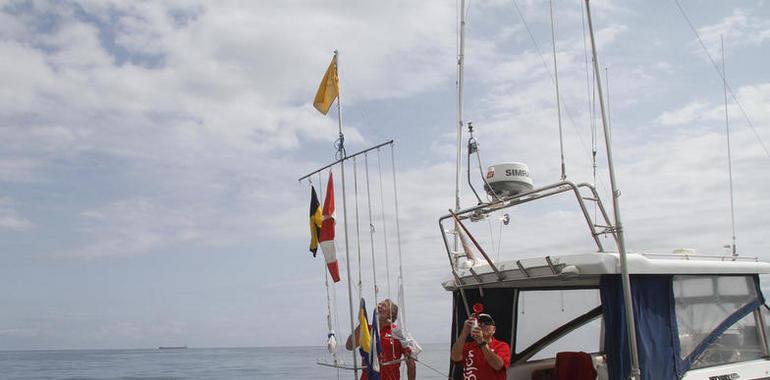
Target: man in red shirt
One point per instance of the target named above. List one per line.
(484, 358)
(387, 312)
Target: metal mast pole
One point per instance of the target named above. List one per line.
(629, 308)
(341, 153)
(729, 150)
(460, 105)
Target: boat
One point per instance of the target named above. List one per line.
(172, 347)
(629, 315)
(697, 316)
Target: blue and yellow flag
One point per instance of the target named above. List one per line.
(364, 337)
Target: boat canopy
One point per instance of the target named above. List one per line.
(682, 322)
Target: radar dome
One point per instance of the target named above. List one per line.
(506, 179)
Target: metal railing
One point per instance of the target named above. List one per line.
(483, 210)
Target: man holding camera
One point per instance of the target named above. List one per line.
(484, 357)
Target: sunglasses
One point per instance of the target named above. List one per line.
(486, 323)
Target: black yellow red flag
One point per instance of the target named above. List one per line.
(315, 221)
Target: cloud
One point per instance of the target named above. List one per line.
(692, 112)
(10, 218)
(177, 92)
(740, 29)
(753, 98)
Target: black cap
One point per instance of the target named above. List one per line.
(486, 319)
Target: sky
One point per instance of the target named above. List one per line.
(148, 175)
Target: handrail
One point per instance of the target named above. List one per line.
(478, 246)
(542, 192)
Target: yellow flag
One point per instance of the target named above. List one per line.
(329, 88)
(364, 338)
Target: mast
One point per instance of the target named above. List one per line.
(621, 241)
(341, 155)
(460, 105)
(729, 150)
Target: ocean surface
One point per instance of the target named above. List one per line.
(266, 363)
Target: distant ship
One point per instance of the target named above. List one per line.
(172, 347)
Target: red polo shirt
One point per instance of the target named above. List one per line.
(475, 366)
(391, 350)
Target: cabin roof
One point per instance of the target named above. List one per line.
(585, 269)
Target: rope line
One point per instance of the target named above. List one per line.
(447, 376)
(398, 239)
(384, 225)
(371, 233)
(358, 225)
(387, 261)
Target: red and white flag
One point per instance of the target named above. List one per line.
(326, 238)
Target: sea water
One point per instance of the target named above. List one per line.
(269, 363)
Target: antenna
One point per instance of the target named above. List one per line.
(729, 151)
(558, 101)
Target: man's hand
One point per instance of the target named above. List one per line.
(457, 348)
(468, 326)
(352, 341)
(477, 335)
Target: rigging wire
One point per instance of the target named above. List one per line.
(398, 240)
(446, 376)
(545, 65)
(590, 103)
(558, 96)
(491, 234)
(371, 229)
(358, 229)
(371, 234)
(721, 75)
(382, 217)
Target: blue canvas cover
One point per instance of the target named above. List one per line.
(653, 299)
(656, 328)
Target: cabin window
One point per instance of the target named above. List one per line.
(584, 338)
(540, 312)
(738, 343)
(705, 302)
